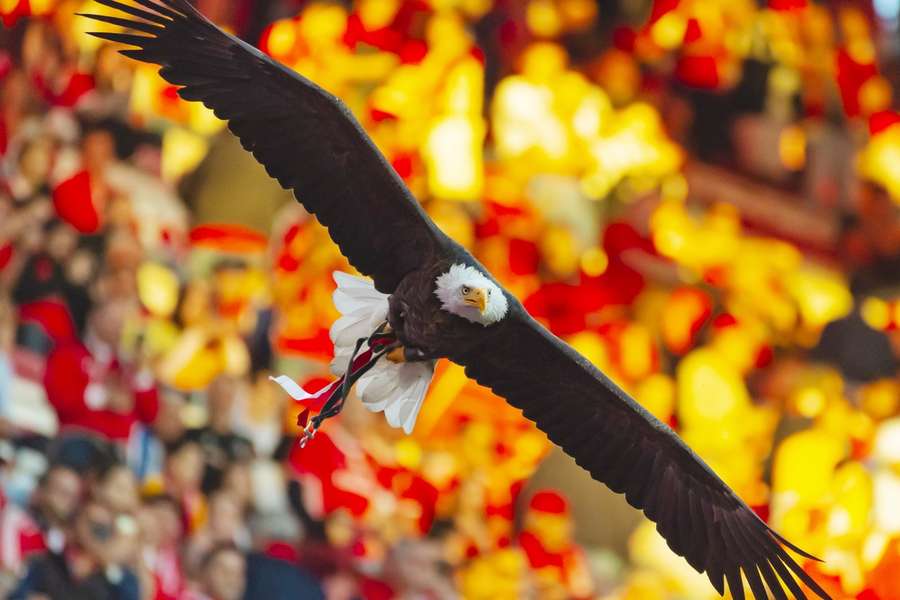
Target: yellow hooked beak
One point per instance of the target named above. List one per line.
(476, 297)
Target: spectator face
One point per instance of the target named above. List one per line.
(32, 238)
(169, 425)
(221, 396)
(36, 160)
(224, 517)
(39, 211)
(81, 267)
(121, 215)
(125, 544)
(108, 321)
(95, 531)
(185, 468)
(41, 50)
(112, 71)
(59, 495)
(118, 490)
(419, 566)
(151, 535)
(124, 252)
(225, 576)
(16, 92)
(120, 284)
(61, 242)
(237, 482)
(165, 520)
(98, 151)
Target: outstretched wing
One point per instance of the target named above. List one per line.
(632, 452)
(304, 136)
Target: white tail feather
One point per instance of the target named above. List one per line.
(362, 308)
(396, 389)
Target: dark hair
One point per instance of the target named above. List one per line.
(126, 138)
(185, 440)
(82, 452)
(216, 550)
(106, 466)
(57, 466)
(54, 222)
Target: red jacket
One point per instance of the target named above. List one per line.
(20, 537)
(74, 380)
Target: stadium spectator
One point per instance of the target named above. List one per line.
(183, 474)
(116, 488)
(223, 574)
(55, 502)
(90, 567)
(162, 532)
(221, 445)
(225, 524)
(92, 388)
(20, 539)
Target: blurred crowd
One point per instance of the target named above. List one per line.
(699, 196)
(117, 483)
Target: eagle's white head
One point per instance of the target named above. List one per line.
(466, 292)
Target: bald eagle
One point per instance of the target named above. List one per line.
(439, 302)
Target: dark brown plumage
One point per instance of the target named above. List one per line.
(308, 140)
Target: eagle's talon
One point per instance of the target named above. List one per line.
(397, 355)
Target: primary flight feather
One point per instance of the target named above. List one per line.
(437, 301)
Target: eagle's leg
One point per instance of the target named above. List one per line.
(404, 354)
(401, 353)
(397, 355)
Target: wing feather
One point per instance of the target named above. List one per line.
(304, 136)
(625, 447)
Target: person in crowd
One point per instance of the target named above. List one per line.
(226, 520)
(183, 474)
(116, 487)
(221, 445)
(55, 502)
(223, 574)
(90, 567)
(418, 568)
(224, 525)
(238, 482)
(92, 388)
(162, 532)
(870, 240)
(22, 539)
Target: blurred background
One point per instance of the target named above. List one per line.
(701, 197)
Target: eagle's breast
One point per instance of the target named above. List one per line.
(420, 322)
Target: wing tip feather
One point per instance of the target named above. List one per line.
(780, 539)
(160, 14)
(128, 39)
(144, 26)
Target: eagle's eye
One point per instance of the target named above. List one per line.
(465, 290)
(489, 293)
